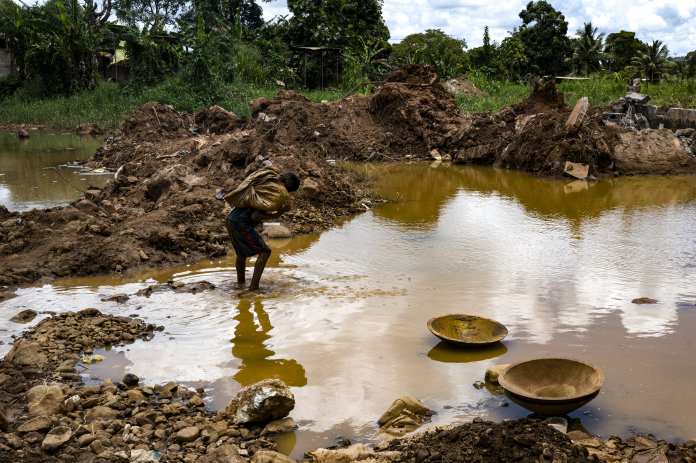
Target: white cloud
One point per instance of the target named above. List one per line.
(672, 21)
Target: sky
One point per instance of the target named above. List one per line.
(672, 21)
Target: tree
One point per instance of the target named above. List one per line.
(483, 57)
(435, 48)
(653, 61)
(543, 34)
(337, 23)
(620, 49)
(588, 50)
(151, 16)
(690, 64)
(511, 58)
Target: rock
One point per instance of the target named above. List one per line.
(224, 454)
(644, 300)
(144, 456)
(578, 115)
(4, 422)
(494, 371)
(435, 155)
(355, 452)
(45, 399)
(654, 152)
(276, 231)
(280, 426)
(143, 255)
(310, 188)
(578, 435)
(135, 395)
(404, 415)
(88, 130)
(100, 413)
(188, 434)
(25, 316)
(577, 170)
(118, 298)
(55, 438)
(86, 439)
(27, 353)
(269, 456)
(196, 401)
(262, 402)
(130, 380)
(558, 423)
(86, 205)
(40, 423)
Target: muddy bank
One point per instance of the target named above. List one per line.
(160, 208)
(47, 413)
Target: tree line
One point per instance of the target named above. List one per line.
(65, 46)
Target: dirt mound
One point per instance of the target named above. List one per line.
(542, 145)
(216, 120)
(488, 442)
(160, 207)
(154, 120)
(413, 74)
(422, 116)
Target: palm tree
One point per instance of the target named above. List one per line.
(653, 60)
(587, 50)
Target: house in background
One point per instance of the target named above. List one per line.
(7, 63)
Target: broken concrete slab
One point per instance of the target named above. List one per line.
(578, 115)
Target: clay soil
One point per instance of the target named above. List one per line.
(160, 208)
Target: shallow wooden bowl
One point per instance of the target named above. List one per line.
(553, 386)
(467, 330)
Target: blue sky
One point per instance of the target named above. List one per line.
(672, 21)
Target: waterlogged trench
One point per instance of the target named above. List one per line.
(342, 317)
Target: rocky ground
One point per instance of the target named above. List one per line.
(160, 209)
(48, 415)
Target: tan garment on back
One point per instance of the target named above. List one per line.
(261, 190)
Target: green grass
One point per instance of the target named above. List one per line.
(601, 90)
(109, 103)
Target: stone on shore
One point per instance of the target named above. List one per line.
(25, 316)
(262, 402)
(55, 438)
(45, 399)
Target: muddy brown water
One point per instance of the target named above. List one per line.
(34, 173)
(343, 316)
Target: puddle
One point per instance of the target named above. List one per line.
(343, 317)
(34, 172)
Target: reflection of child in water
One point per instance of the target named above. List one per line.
(249, 347)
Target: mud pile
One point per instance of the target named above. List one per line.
(529, 440)
(484, 442)
(533, 136)
(160, 207)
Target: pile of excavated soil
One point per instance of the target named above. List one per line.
(487, 442)
(160, 207)
(48, 415)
